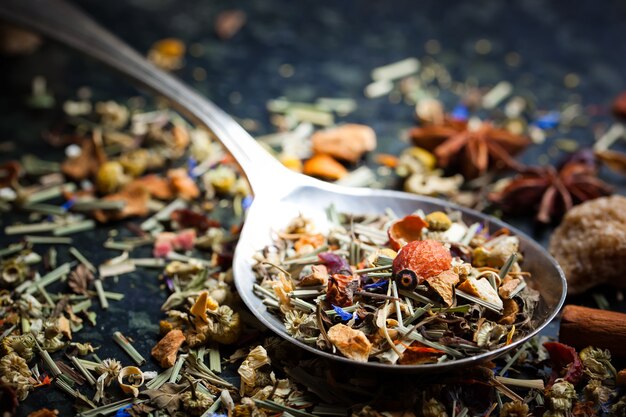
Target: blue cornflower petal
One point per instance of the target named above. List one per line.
(246, 202)
(380, 284)
(122, 412)
(549, 120)
(460, 112)
(191, 164)
(343, 314)
(68, 204)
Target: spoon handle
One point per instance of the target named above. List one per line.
(67, 24)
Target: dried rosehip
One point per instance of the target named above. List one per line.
(426, 258)
(406, 279)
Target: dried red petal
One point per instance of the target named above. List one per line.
(417, 353)
(565, 363)
(334, 263)
(405, 230)
(340, 290)
(186, 219)
(427, 258)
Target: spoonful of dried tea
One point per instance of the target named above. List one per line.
(279, 194)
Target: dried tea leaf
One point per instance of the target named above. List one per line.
(167, 397)
(79, 279)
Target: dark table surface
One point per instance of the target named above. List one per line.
(332, 47)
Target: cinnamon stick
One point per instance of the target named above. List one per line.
(583, 326)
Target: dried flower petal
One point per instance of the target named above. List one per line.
(86, 164)
(416, 353)
(79, 279)
(340, 290)
(225, 325)
(136, 198)
(318, 276)
(351, 343)
(186, 219)
(324, 166)
(565, 363)
(334, 263)
(156, 186)
(184, 186)
(130, 379)
(256, 359)
(405, 230)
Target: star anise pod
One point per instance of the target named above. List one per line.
(550, 191)
(473, 146)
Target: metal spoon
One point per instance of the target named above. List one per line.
(279, 194)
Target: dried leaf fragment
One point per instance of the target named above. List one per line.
(79, 279)
(167, 397)
(347, 142)
(166, 350)
(443, 284)
(351, 343)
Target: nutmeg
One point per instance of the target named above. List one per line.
(590, 244)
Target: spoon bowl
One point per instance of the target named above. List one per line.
(279, 194)
(311, 198)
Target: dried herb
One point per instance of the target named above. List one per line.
(356, 298)
(167, 397)
(80, 279)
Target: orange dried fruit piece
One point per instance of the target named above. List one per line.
(136, 198)
(427, 258)
(388, 160)
(405, 230)
(347, 142)
(324, 166)
(158, 187)
(311, 241)
(183, 185)
(350, 342)
(481, 288)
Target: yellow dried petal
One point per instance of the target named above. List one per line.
(199, 308)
